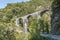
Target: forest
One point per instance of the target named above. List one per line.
(9, 30)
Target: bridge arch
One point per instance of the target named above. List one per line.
(21, 22)
(29, 17)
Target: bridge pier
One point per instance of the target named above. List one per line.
(17, 22)
(25, 25)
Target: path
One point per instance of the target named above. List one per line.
(54, 37)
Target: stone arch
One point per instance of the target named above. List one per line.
(42, 13)
(29, 17)
(21, 22)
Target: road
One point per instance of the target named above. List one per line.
(54, 37)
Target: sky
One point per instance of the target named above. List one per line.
(3, 3)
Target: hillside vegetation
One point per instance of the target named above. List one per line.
(15, 10)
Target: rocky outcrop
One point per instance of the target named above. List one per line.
(55, 18)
